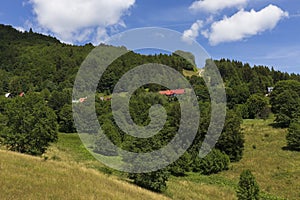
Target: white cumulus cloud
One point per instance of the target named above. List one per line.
(76, 20)
(19, 28)
(192, 33)
(213, 6)
(244, 24)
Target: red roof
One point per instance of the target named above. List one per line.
(81, 100)
(172, 92)
(179, 91)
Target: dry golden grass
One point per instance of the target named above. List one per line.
(188, 190)
(26, 177)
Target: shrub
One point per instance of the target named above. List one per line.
(155, 181)
(248, 188)
(182, 165)
(242, 110)
(214, 162)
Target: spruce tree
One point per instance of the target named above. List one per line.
(248, 188)
(293, 136)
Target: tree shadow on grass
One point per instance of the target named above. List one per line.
(287, 148)
(276, 125)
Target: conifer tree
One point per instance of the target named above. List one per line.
(248, 188)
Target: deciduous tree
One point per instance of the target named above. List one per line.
(30, 125)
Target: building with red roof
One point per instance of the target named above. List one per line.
(172, 92)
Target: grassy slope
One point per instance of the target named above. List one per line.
(26, 177)
(277, 171)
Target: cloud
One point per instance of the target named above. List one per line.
(77, 20)
(19, 28)
(192, 33)
(244, 24)
(213, 6)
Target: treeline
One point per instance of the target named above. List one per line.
(242, 81)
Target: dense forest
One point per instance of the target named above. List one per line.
(37, 74)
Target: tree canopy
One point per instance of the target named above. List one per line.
(30, 125)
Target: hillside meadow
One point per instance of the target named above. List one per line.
(26, 177)
(68, 171)
(277, 170)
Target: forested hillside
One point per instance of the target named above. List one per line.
(44, 69)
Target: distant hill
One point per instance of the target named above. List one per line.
(10, 34)
(32, 62)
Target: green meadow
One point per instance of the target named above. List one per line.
(69, 171)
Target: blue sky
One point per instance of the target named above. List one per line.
(261, 32)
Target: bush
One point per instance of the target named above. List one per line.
(182, 165)
(242, 110)
(155, 181)
(293, 136)
(248, 188)
(214, 162)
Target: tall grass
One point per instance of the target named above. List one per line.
(26, 177)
